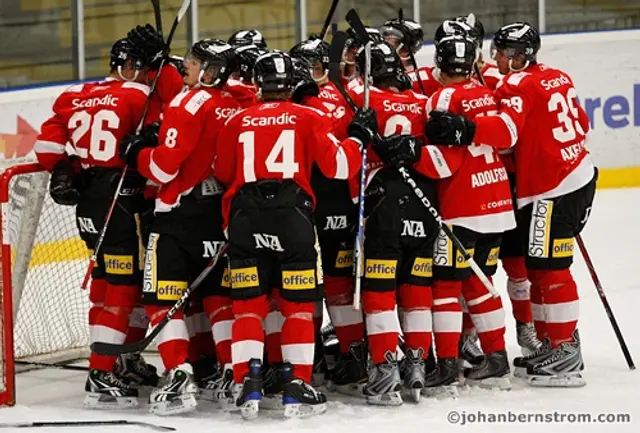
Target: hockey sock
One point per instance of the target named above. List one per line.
(518, 286)
(97, 292)
(247, 335)
(348, 323)
(468, 327)
(447, 317)
(537, 309)
(297, 337)
(561, 306)
(273, 328)
(173, 339)
(416, 302)
(138, 324)
(220, 314)
(113, 321)
(382, 323)
(487, 314)
(200, 338)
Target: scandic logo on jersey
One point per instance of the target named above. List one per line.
(540, 229)
(380, 269)
(422, 267)
(118, 265)
(283, 119)
(344, 259)
(171, 290)
(299, 280)
(562, 248)
(243, 278)
(107, 101)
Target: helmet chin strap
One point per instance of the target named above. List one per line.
(321, 79)
(135, 76)
(512, 69)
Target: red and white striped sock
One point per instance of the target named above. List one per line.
(173, 339)
(537, 306)
(518, 287)
(220, 318)
(447, 317)
(348, 323)
(247, 334)
(416, 302)
(297, 337)
(97, 292)
(382, 323)
(487, 314)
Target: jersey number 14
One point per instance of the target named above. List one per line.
(281, 158)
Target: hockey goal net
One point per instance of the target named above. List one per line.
(43, 310)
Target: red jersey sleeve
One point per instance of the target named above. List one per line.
(224, 165)
(50, 147)
(170, 83)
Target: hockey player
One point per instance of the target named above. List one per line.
(94, 118)
(187, 230)
(555, 187)
(349, 71)
(476, 173)
(265, 156)
(336, 216)
(240, 84)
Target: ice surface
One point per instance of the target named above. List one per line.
(613, 239)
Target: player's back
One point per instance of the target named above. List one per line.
(427, 76)
(98, 116)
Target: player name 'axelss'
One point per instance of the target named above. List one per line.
(283, 119)
(107, 100)
(488, 177)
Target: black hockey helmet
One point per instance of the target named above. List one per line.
(213, 53)
(478, 29)
(313, 51)
(246, 59)
(408, 33)
(124, 50)
(248, 37)
(517, 38)
(455, 55)
(385, 63)
(453, 27)
(273, 72)
(353, 42)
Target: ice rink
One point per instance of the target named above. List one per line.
(613, 239)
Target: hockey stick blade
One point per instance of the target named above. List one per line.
(335, 58)
(46, 424)
(327, 20)
(356, 24)
(110, 349)
(157, 15)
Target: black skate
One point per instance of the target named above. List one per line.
(443, 381)
(470, 353)
(248, 394)
(493, 372)
(384, 384)
(272, 387)
(561, 368)
(430, 362)
(527, 338)
(134, 369)
(218, 388)
(178, 395)
(107, 391)
(414, 373)
(320, 371)
(206, 369)
(350, 373)
(521, 363)
(300, 400)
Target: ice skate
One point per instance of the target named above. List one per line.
(350, 373)
(248, 394)
(561, 368)
(414, 373)
(443, 381)
(520, 363)
(107, 391)
(272, 386)
(218, 388)
(178, 395)
(205, 369)
(320, 371)
(527, 338)
(135, 369)
(470, 353)
(492, 372)
(384, 384)
(300, 400)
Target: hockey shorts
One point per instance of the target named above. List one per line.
(512, 245)
(336, 217)
(120, 257)
(399, 232)
(552, 225)
(181, 244)
(449, 263)
(273, 243)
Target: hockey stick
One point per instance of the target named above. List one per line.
(110, 349)
(103, 232)
(605, 302)
(157, 15)
(58, 366)
(406, 176)
(412, 58)
(45, 424)
(327, 21)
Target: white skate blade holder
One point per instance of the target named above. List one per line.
(95, 400)
(389, 399)
(182, 404)
(352, 389)
(502, 383)
(442, 392)
(249, 409)
(271, 402)
(299, 410)
(567, 380)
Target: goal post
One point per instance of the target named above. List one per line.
(43, 310)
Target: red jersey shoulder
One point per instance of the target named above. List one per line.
(243, 93)
(491, 75)
(107, 94)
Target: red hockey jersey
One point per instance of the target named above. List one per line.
(170, 83)
(474, 191)
(281, 140)
(491, 75)
(187, 140)
(243, 93)
(540, 116)
(93, 118)
(428, 76)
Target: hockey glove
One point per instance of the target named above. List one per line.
(449, 129)
(150, 43)
(62, 187)
(150, 134)
(364, 125)
(131, 146)
(398, 149)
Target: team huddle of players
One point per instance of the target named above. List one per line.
(253, 157)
